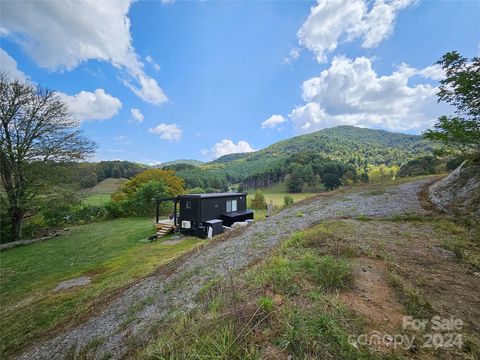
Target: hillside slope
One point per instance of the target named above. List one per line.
(181, 161)
(345, 143)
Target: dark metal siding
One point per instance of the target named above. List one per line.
(204, 209)
(192, 214)
(212, 208)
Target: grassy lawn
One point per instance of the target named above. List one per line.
(277, 193)
(109, 252)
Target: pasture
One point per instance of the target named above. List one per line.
(100, 194)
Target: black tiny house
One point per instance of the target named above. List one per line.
(197, 212)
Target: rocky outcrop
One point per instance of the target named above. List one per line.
(459, 192)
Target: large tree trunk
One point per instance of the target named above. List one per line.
(16, 220)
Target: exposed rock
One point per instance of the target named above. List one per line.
(459, 192)
(79, 281)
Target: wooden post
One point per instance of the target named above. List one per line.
(269, 208)
(175, 213)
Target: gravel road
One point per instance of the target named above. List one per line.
(117, 323)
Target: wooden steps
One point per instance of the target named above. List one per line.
(164, 229)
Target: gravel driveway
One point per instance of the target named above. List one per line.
(130, 315)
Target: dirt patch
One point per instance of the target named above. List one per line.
(68, 284)
(372, 296)
(413, 252)
(171, 241)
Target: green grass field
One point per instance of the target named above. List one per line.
(100, 193)
(277, 193)
(109, 252)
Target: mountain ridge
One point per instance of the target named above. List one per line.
(346, 143)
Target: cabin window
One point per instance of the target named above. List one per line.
(231, 205)
(188, 205)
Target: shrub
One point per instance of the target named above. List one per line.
(86, 213)
(141, 201)
(266, 303)
(258, 202)
(452, 164)
(287, 200)
(56, 209)
(426, 165)
(196, 190)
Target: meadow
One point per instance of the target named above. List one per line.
(100, 193)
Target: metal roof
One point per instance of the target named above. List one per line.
(212, 195)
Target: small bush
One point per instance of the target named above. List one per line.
(266, 303)
(287, 201)
(258, 202)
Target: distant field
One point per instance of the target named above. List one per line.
(100, 193)
(107, 186)
(108, 252)
(277, 193)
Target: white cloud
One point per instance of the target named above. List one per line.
(97, 105)
(150, 60)
(227, 146)
(9, 66)
(292, 56)
(334, 21)
(137, 115)
(119, 138)
(171, 132)
(350, 92)
(273, 121)
(434, 72)
(60, 35)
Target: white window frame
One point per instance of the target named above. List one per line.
(232, 205)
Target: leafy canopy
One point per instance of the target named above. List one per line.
(460, 88)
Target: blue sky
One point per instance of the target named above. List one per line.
(153, 81)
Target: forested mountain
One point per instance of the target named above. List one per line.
(348, 144)
(181, 161)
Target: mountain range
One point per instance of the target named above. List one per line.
(350, 144)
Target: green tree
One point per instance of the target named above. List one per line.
(37, 136)
(296, 177)
(460, 88)
(331, 181)
(116, 172)
(88, 179)
(258, 202)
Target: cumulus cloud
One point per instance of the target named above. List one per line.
(334, 21)
(8, 65)
(227, 146)
(137, 115)
(350, 92)
(171, 132)
(97, 105)
(59, 35)
(273, 121)
(434, 72)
